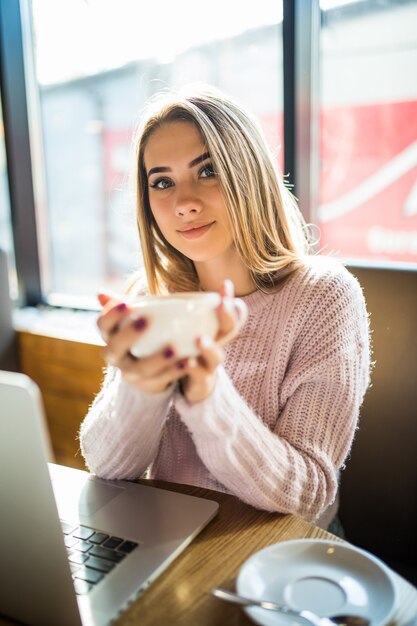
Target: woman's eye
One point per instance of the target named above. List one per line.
(161, 183)
(207, 171)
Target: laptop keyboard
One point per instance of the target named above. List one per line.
(92, 554)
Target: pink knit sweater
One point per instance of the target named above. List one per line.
(281, 420)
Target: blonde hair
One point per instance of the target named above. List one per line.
(268, 230)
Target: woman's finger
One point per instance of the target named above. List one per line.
(104, 297)
(120, 342)
(227, 289)
(111, 317)
(229, 314)
(211, 355)
(108, 299)
(158, 382)
(153, 365)
(227, 318)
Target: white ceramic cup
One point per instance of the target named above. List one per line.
(178, 319)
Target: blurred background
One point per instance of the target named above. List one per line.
(90, 65)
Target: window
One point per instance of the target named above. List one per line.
(96, 64)
(368, 204)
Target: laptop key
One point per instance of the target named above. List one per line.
(127, 547)
(70, 541)
(98, 537)
(77, 557)
(90, 575)
(83, 532)
(113, 542)
(67, 528)
(100, 564)
(74, 567)
(81, 586)
(82, 546)
(105, 553)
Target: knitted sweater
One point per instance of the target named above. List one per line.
(281, 419)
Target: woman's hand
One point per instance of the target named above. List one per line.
(199, 375)
(152, 374)
(155, 373)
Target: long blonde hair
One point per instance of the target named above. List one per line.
(268, 229)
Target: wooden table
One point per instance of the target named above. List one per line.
(181, 595)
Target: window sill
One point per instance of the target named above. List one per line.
(67, 324)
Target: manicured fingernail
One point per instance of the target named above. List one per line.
(140, 323)
(168, 353)
(181, 364)
(229, 287)
(121, 307)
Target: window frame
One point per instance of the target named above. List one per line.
(301, 35)
(18, 154)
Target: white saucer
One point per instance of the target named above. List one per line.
(326, 577)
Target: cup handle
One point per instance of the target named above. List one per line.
(243, 316)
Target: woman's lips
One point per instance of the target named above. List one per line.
(194, 233)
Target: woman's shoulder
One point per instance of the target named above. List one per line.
(324, 272)
(316, 279)
(323, 284)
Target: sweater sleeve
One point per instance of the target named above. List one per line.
(120, 434)
(293, 467)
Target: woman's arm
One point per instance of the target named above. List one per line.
(120, 434)
(292, 468)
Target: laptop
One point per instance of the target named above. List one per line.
(76, 549)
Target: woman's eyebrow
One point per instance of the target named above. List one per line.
(157, 170)
(196, 161)
(199, 159)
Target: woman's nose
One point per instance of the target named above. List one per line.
(187, 205)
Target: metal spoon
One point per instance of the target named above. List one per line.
(312, 618)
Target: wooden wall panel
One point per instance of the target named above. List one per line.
(379, 485)
(69, 375)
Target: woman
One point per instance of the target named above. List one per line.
(270, 417)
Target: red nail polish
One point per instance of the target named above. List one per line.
(140, 323)
(181, 364)
(121, 307)
(168, 353)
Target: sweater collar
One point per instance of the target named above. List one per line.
(256, 300)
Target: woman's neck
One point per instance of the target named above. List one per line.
(213, 273)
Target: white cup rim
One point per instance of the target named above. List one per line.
(211, 296)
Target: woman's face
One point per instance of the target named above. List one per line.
(184, 193)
